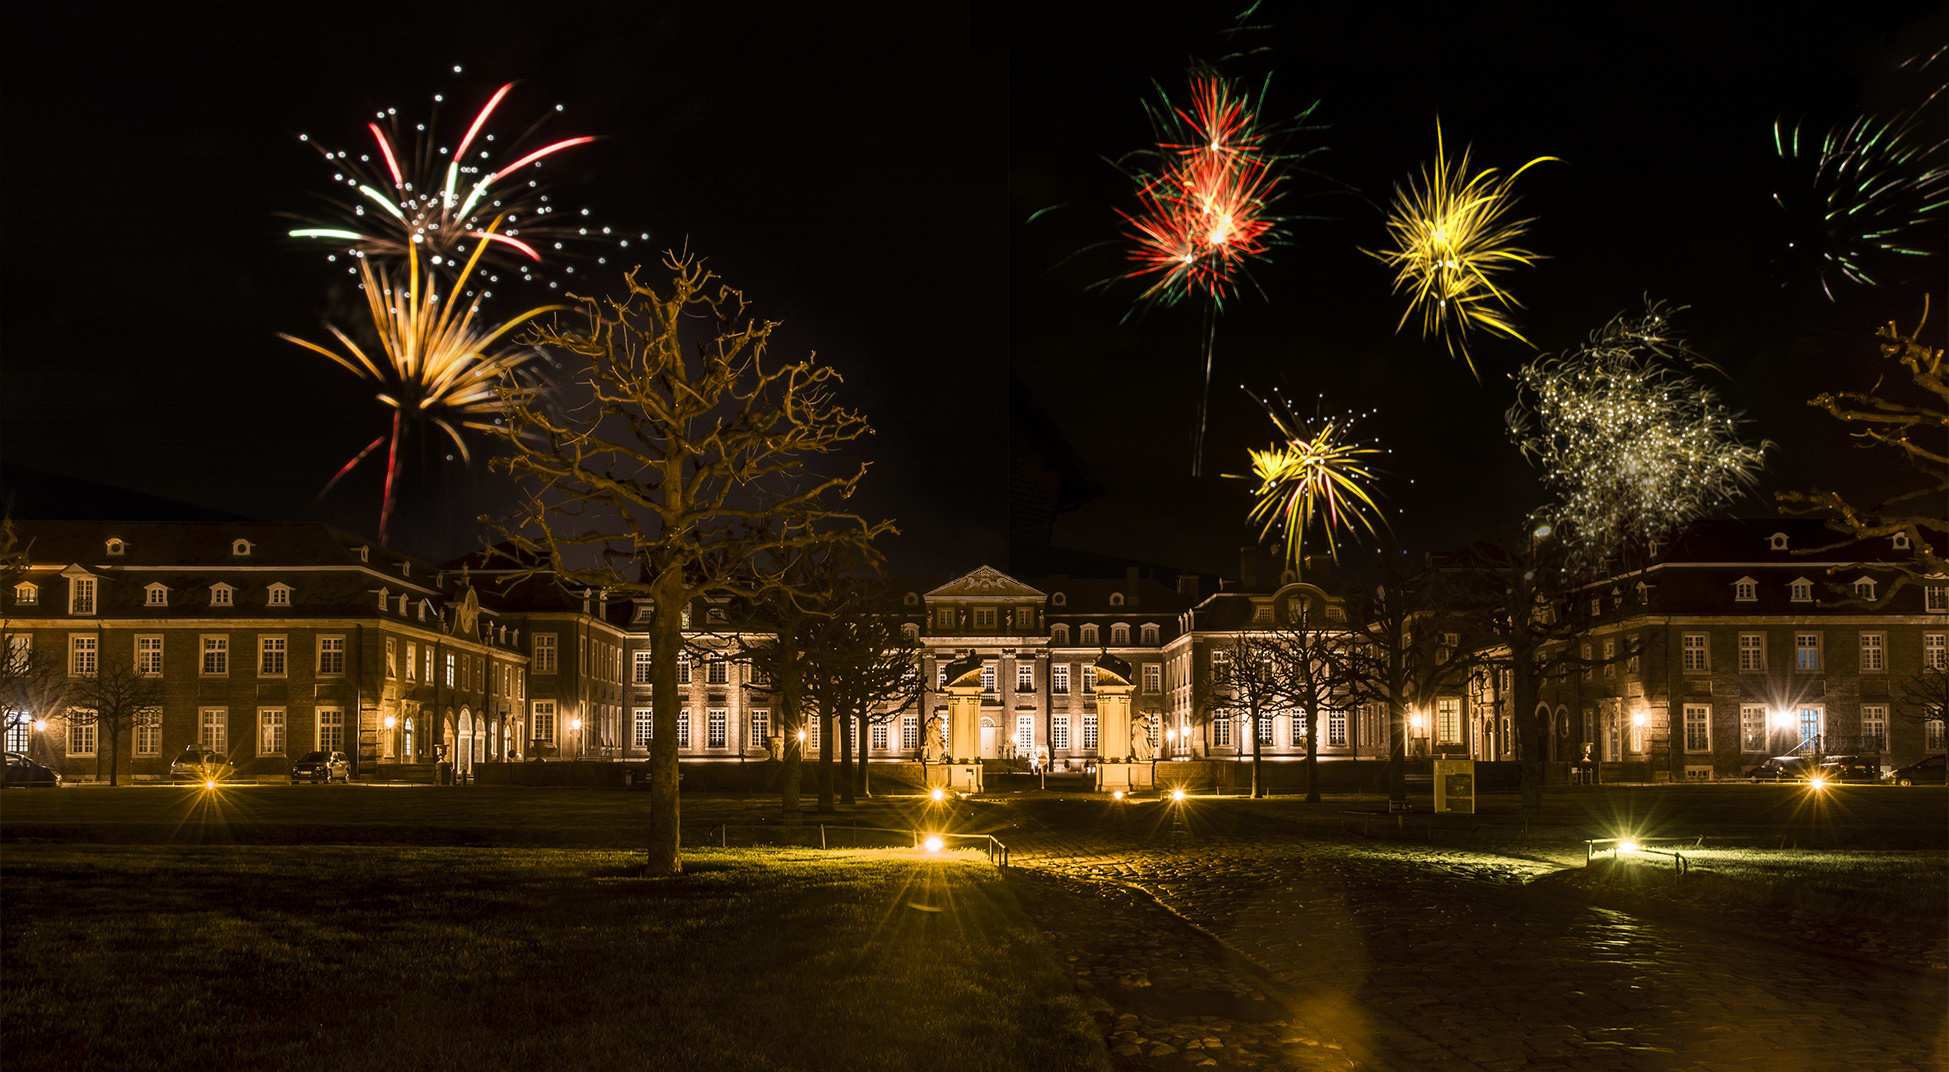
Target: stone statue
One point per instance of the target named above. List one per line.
(776, 745)
(1140, 747)
(935, 746)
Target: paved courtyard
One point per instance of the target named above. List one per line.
(1311, 950)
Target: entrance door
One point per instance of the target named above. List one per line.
(990, 739)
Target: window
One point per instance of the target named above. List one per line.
(877, 737)
(1752, 651)
(984, 617)
(450, 669)
(27, 595)
(331, 729)
(1059, 599)
(1801, 591)
(1777, 542)
(148, 732)
(1089, 730)
(1059, 732)
(240, 548)
(1698, 728)
(1336, 728)
(412, 661)
(1610, 658)
(1148, 635)
(155, 595)
(544, 721)
(81, 655)
(1025, 732)
(683, 669)
(220, 595)
(909, 732)
(944, 618)
(641, 667)
(1265, 729)
(1872, 660)
(909, 632)
(1935, 598)
(1745, 589)
(1864, 588)
(988, 677)
(1059, 678)
(1221, 732)
(280, 595)
(1089, 636)
(1874, 727)
(715, 671)
(715, 726)
(1296, 725)
(1024, 677)
(270, 656)
(1806, 651)
(1262, 612)
(544, 654)
(1448, 719)
(683, 728)
(406, 731)
(1116, 599)
(1587, 659)
(1089, 680)
(214, 728)
(115, 546)
(813, 735)
(643, 722)
(1811, 722)
(1932, 735)
(392, 657)
(331, 656)
(1752, 728)
(1934, 654)
(1153, 678)
(940, 673)
(1024, 618)
(148, 656)
(216, 656)
(81, 732)
(1693, 656)
(1059, 635)
(1899, 541)
(270, 731)
(1120, 635)
(1630, 662)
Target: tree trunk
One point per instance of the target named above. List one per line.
(1533, 729)
(846, 760)
(1312, 755)
(1258, 756)
(825, 763)
(865, 787)
(1397, 750)
(666, 640)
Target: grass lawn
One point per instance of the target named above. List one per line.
(488, 957)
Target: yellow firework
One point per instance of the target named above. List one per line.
(1313, 474)
(434, 363)
(1451, 239)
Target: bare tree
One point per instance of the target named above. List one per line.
(1925, 696)
(1317, 659)
(116, 701)
(867, 673)
(676, 471)
(1249, 681)
(1400, 657)
(1915, 424)
(31, 680)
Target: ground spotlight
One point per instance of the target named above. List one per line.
(933, 843)
(938, 794)
(1118, 795)
(209, 783)
(1627, 846)
(1177, 794)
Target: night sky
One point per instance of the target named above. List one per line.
(867, 176)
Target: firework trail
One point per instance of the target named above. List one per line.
(1314, 470)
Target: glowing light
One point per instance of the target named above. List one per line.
(325, 232)
(933, 843)
(1629, 446)
(1817, 783)
(40, 725)
(1314, 472)
(1451, 239)
(1116, 794)
(515, 242)
(1177, 794)
(938, 794)
(392, 164)
(434, 364)
(1627, 846)
(391, 722)
(209, 783)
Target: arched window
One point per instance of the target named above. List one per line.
(1149, 633)
(1089, 635)
(1120, 635)
(1059, 635)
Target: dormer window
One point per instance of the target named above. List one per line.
(715, 614)
(280, 595)
(385, 600)
(423, 605)
(912, 600)
(81, 595)
(1745, 589)
(1262, 612)
(27, 595)
(1899, 542)
(1116, 599)
(1644, 593)
(1149, 634)
(404, 599)
(1059, 600)
(365, 554)
(240, 548)
(1059, 635)
(115, 546)
(155, 595)
(1288, 577)
(1089, 636)
(405, 569)
(220, 594)
(1801, 590)
(1864, 588)
(1777, 542)
(1120, 635)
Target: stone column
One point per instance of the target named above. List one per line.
(964, 771)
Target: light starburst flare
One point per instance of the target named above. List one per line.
(437, 364)
(1452, 238)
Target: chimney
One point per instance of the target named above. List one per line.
(1248, 567)
(1188, 586)
(1130, 585)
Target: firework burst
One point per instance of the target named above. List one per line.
(1630, 446)
(1315, 470)
(1452, 237)
(433, 366)
(406, 196)
(1869, 194)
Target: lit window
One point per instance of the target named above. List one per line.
(644, 721)
(1025, 732)
(544, 647)
(988, 677)
(1089, 731)
(1871, 652)
(450, 669)
(715, 726)
(1336, 728)
(1752, 728)
(1059, 678)
(331, 729)
(715, 672)
(1448, 719)
(81, 595)
(1806, 651)
(544, 721)
(1024, 677)
(1089, 680)
(412, 661)
(683, 728)
(27, 595)
(1059, 732)
(760, 727)
(216, 656)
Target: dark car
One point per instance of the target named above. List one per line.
(315, 767)
(1783, 769)
(1851, 769)
(1927, 772)
(200, 765)
(24, 772)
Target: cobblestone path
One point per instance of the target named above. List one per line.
(1313, 952)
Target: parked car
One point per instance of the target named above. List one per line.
(1783, 769)
(1851, 769)
(24, 772)
(200, 765)
(315, 767)
(1927, 772)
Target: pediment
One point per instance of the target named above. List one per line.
(985, 583)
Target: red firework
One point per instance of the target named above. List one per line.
(1199, 222)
